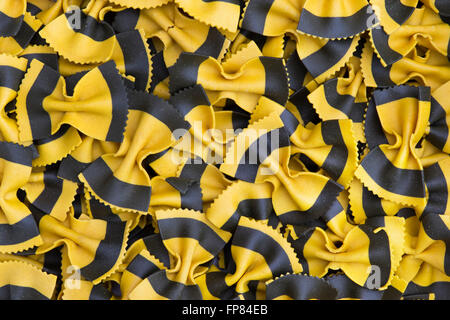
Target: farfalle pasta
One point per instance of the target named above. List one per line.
(43, 53)
(205, 138)
(92, 32)
(175, 31)
(88, 242)
(436, 182)
(395, 158)
(12, 17)
(49, 193)
(223, 14)
(318, 253)
(86, 152)
(211, 180)
(224, 150)
(263, 76)
(18, 40)
(365, 204)
(423, 28)
(24, 281)
(19, 229)
(55, 106)
(299, 287)
(111, 173)
(343, 97)
(316, 18)
(140, 4)
(202, 242)
(342, 20)
(424, 265)
(256, 253)
(13, 70)
(348, 290)
(431, 70)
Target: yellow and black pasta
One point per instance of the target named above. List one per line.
(131, 55)
(316, 18)
(396, 45)
(193, 104)
(47, 192)
(176, 192)
(393, 13)
(403, 114)
(224, 150)
(439, 6)
(18, 228)
(439, 119)
(95, 244)
(261, 153)
(363, 246)
(160, 78)
(437, 184)
(425, 266)
(150, 130)
(265, 140)
(86, 152)
(15, 41)
(241, 199)
(212, 181)
(45, 102)
(324, 57)
(11, 75)
(22, 281)
(299, 76)
(343, 97)
(299, 103)
(348, 290)
(212, 129)
(341, 20)
(337, 218)
(44, 11)
(331, 146)
(86, 291)
(175, 31)
(263, 76)
(300, 287)
(138, 270)
(202, 242)
(37, 6)
(269, 46)
(132, 58)
(223, 14)
(57, 146)
(43, 53)
(140, 4)
(365, 204)
(12, 17)
(92, 33)
(322, 144)
(258, 253)
(272, 18)
(432, 70)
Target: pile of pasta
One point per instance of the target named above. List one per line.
(119, 178)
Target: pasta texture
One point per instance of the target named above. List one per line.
(224, 149)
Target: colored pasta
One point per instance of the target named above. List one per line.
(227, 149)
